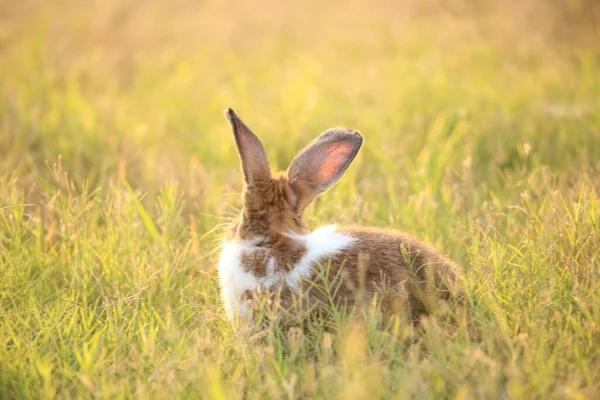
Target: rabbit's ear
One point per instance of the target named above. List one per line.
(322, 163)
(255, 163)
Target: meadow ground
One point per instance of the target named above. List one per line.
(117, 171)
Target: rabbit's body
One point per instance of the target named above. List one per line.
(381, 261)
(270, 249)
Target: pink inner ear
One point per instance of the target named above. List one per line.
(335, 156)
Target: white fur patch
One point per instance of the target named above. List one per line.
(320, 244)
(235, 280)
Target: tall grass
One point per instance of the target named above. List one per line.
(118, 173)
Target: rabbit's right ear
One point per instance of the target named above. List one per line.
(321, 164)
(255, 163)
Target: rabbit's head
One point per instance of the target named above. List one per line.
(273, 204)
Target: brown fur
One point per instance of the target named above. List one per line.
(266, 213)
(401, 269)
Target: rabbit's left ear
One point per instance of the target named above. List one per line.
(322, 163)
(255, 164)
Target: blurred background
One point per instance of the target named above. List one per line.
(136, 89)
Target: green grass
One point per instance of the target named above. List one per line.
(117, 171)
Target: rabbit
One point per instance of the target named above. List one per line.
(269, 248)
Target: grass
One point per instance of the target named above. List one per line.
(482, 135)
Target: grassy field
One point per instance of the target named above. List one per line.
(118, 171)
